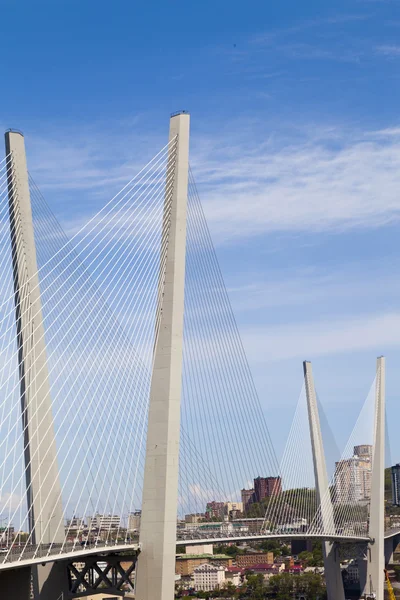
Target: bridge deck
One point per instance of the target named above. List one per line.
(34, 555)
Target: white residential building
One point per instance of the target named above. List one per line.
(104, 522)
(208, 577)
(202, 549)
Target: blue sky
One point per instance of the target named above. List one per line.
(295, 147)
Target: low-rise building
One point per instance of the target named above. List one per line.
(185, 564)
(200, 550)
(267, 570)
(76, 523)
(232, 575)
(194, 518)
(101, 522)
(245, 561)
(296, 570)
(233, 508)
(208, 577)
(286, 561)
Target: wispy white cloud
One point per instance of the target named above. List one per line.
(303, 178)
(389, 50)
(330, 179)
(270, 36)
(325, 337)
(315, 289)
(92, 158)
(389, 131)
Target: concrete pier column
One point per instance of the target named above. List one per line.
(15, 584)
(333, 576)
(156, 563)
(390, 546)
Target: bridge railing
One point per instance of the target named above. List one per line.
(26, 552)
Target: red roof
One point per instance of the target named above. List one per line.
(234, 570)
(263, 567)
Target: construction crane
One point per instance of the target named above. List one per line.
(389, 586)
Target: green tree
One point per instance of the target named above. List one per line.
(318, 559)
(396, 570)
(270, 546)
(255, 588)
(285, 550)
(306, 557)
(228, 590)
(312, 585)
(282, 586)
(229, 550)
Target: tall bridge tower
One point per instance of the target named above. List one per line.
(41, 470)
(156, 563)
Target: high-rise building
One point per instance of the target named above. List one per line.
(353, 476)
(363, 451)
(215, 510)
(134, 520)
(247, 497)
(396, 485)
(264, 487)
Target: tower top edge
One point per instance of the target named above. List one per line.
(179, 113)
(18, 131)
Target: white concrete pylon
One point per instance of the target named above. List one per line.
(333, 576)
(42, 478)
(156, 563)
(376, 554)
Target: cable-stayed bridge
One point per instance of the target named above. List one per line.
(124, 385)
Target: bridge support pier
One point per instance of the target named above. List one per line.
(333, 575)
(390, 546)
(50, 581)
(16, 583)
(156, 562)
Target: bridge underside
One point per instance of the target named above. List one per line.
(69, 579)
